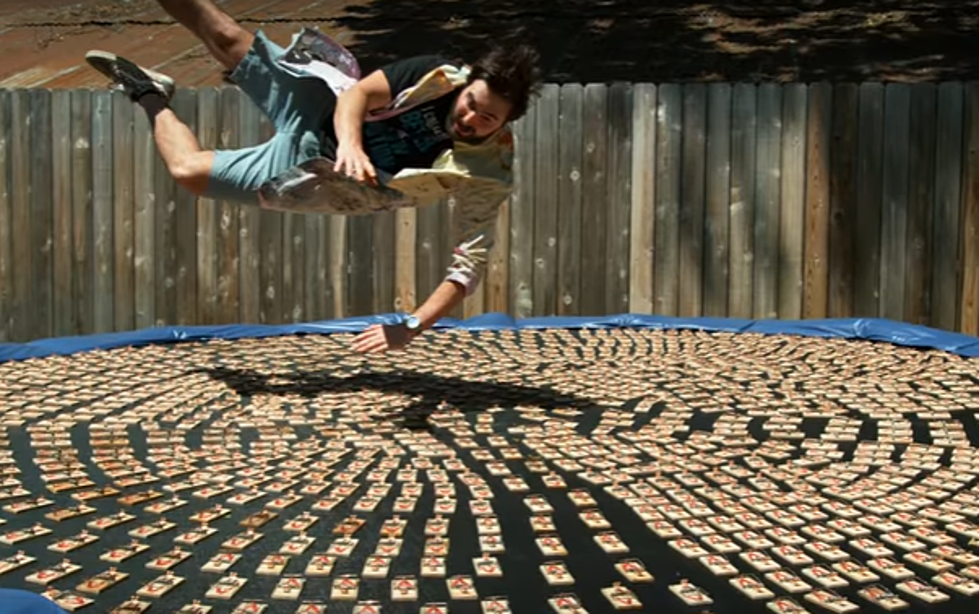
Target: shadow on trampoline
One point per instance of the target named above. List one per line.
(430, 391)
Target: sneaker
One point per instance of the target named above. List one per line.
(127, 77)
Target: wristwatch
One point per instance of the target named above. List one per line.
(413, 324)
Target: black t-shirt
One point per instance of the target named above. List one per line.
(415, 138)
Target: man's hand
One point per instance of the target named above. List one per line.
(382, 338)
(353, 162)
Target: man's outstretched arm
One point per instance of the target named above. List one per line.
(466, 273)
(371, 92)
(441, 302)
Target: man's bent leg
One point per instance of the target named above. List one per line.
(189, 165)
(224, 37)
(235, 174)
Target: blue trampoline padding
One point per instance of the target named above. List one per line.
(14, 601)
(870, 329)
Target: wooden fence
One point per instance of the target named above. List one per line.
(755, 201)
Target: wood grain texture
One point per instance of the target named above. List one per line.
(6, 219)
(867, 217)
(717, 207)
(103, 281)
(642, 252)
(921, 204)
(744, 140)
(768, 198)
(969, 310)
(791, 235)
(843, 202)
(946, 263)
(895, 201)
(815, 302)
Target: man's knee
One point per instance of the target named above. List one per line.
(193, 172)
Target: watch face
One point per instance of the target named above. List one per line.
(413, 323)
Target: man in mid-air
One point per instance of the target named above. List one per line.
(423, 112)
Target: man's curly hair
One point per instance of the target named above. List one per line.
(512, 72)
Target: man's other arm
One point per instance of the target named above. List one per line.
(370, 93)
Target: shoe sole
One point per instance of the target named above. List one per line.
(102, 61)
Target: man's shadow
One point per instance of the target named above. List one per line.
(429, 391)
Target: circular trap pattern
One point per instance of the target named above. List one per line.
(570, 471)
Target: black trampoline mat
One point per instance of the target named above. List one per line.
(695, 456)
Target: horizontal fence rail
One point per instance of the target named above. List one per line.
(744, 200)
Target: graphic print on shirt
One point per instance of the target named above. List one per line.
(414, 139)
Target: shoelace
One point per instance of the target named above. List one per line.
(466, 257)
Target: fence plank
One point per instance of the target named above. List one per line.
(61, 156)
(643, 206)
(292, 267)
(102, 239)
(946, 265)
(768, 195)
(250, 290)
(82, 295)
(208, 133)
(843, 201)
(227, 214)
(619, 199)
(717, 206)
(361, 271)
(271, 268)
(165, 243)
(384, 263)
(744, 142)
(522, 216)
(123, 213)
(921, 204)
(42, 214)
(894, 219)
(969, 311)
(6, 213)
(498, 264)
(792, 210)
(451, 237)
(570, 158)
(428, 274)
(314, 271)
(870, 152)
(594, 192)
(184, 105)
(669, 142)
(815, 302)
(406, 239)
(545, 204)
(475, 303)
(692, 194)
(144, 221)
(338, 263)
(21, 246)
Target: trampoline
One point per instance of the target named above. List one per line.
(566, 465)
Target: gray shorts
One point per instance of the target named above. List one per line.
(301, 111)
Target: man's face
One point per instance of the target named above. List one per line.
(478, 113)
